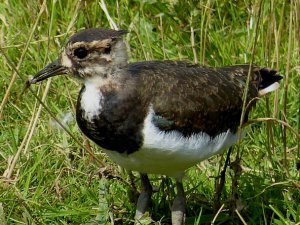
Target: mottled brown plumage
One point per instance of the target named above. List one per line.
(196, 99)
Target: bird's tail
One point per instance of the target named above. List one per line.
(269, 80)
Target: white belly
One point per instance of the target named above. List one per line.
(170, 153)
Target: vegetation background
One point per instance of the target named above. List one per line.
(48, 178)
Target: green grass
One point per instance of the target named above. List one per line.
(56, 181)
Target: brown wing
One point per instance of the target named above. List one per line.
(190, 98)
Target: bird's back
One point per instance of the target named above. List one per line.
(192, 98)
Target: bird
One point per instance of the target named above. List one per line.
(159, 116)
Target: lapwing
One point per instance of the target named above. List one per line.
(155, 117)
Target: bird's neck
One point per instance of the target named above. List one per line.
(119, 55)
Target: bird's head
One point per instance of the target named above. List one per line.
(88, 53)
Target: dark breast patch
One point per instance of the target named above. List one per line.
(117, 127)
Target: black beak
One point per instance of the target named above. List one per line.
(52, 69)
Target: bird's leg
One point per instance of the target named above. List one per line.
(220, 182)
(144, 198)
(178, 207)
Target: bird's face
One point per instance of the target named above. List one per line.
(88, 54)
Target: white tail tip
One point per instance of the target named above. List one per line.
(268, 89)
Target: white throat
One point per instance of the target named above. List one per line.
(92, 98)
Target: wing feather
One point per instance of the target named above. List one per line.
(191, 98)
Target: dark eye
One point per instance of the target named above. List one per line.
(107, 50)
(81, 52)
